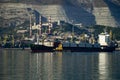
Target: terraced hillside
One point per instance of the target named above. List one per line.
(87, 12)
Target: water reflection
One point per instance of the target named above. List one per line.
(14, 66)
(78, 66)
(109, 66)
(23, 65)
(64, 66)
(47, 66)
(103, 66)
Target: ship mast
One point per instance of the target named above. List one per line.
(111, 35)
(37, 33)
(49, 24)
(30, 27)
(40, 26)
(72, 30)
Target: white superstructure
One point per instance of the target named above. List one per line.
(104, 39)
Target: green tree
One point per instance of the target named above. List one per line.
(0, 40)
(13, 41)
(23, 37)
(5, 39)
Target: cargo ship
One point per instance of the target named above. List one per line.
(104, 44)
(87, 47)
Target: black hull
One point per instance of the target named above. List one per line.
(41, 48)
(89, 49)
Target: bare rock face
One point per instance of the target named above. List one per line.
(87, 12)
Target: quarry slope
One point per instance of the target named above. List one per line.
(86, 12)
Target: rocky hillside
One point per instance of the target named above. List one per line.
(40, 2)
(87, 12)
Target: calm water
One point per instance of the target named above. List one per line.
(24, 65)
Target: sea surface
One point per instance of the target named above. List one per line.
(16, 64)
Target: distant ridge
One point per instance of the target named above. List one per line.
(97, 3)
(40, 2)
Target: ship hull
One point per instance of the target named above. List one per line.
(41, 48)
(89, 49)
